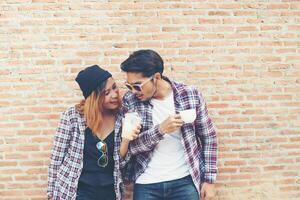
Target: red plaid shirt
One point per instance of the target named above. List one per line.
(67, 158)
(199, 138)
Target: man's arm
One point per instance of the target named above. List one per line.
(146, 141)
(205, 131)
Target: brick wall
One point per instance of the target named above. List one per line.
(243, 55)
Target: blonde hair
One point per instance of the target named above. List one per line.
(92, 109)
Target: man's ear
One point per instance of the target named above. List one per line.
(157, 76)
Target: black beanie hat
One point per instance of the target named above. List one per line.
(90, 78)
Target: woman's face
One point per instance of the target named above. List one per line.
(111, 95)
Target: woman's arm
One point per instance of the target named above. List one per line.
(60, 146)
(126, 138)
(124, 147)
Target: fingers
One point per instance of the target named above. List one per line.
(177, 119)
(177, 116)
(202, 192)
(134, 133)
(202, 195)
(209, 198)
(207, 191)
(134, 136)
(139, 127)
(178, 122)
(171, 124)
(209, 195)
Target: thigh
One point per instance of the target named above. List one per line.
(87, 192)
(148, 192)
(80, 195)
(107, 193)
(84, 192)
(183, 189)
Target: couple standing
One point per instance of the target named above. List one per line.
(165, 157)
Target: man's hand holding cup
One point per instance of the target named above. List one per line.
(171, 124)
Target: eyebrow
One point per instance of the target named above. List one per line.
(107, 90)
(137, 82)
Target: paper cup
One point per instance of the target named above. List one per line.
(131, 120)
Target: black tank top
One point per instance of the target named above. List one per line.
(92, 174)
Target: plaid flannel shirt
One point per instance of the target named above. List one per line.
(67, 158)
(198, 138)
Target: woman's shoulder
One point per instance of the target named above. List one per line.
(72, 113)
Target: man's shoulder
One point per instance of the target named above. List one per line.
(129, 99)
(129, 96)
(184, 89)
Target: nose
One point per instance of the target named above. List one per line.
(114, 95)
(134, 91)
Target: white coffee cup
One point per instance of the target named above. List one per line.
(131, 120)
(188, 116)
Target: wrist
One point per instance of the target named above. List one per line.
(125, 140)
(160, 130)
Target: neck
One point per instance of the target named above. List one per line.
(108, 114)
(163, 89)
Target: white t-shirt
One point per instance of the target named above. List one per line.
(167, 162)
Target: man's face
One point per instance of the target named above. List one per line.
(143, 87)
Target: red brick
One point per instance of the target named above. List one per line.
(241, 56)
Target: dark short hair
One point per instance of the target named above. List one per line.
(147, 62)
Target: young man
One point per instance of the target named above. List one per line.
(170, 159)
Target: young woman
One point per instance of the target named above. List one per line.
(82, 162)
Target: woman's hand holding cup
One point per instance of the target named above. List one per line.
(131, 126)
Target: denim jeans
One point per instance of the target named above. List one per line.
(87, 192)
(180, 189)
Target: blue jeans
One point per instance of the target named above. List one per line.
(180, 189)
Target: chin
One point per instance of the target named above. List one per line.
(112, 107)
(145, 99)
(115, 107)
